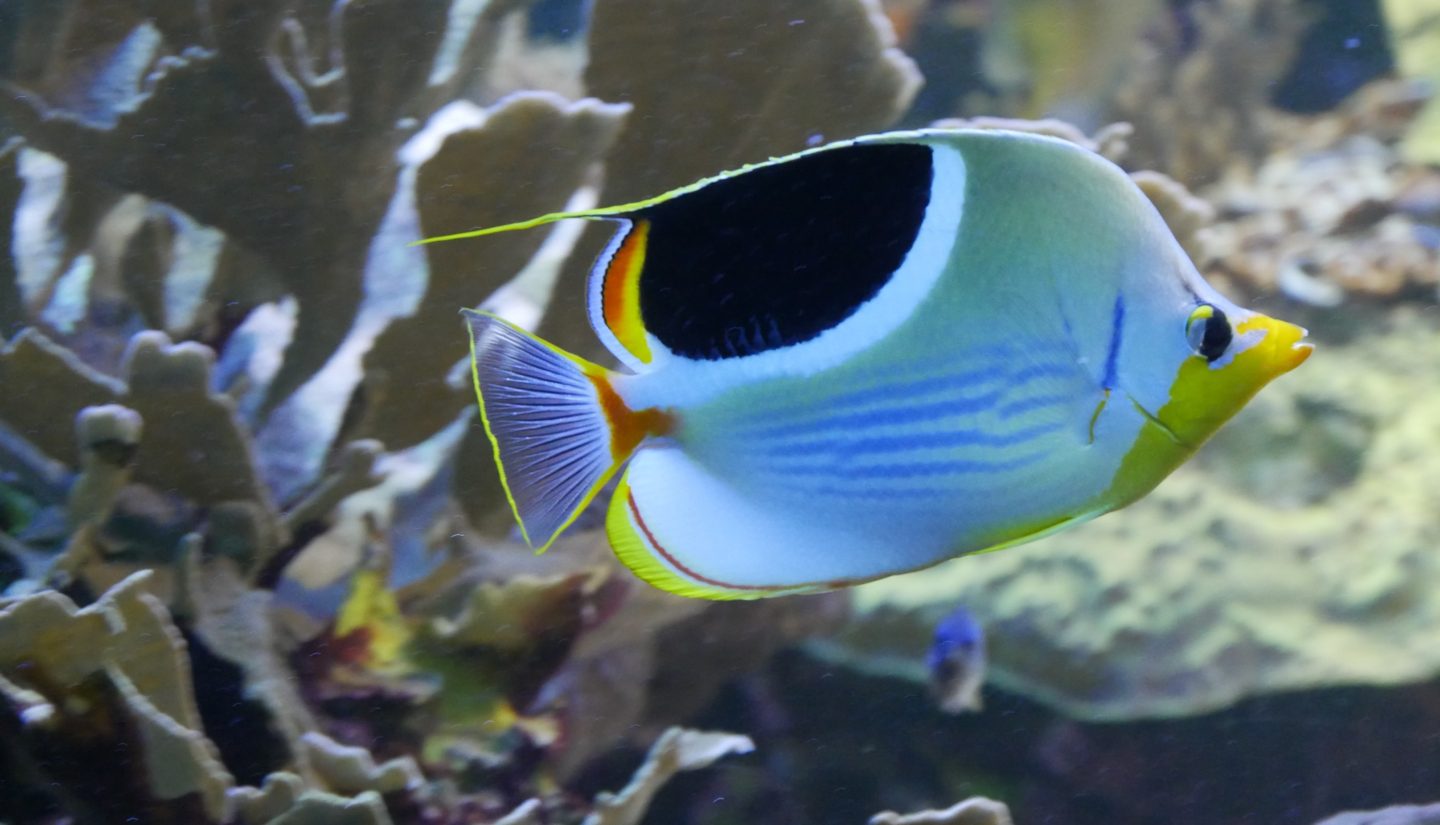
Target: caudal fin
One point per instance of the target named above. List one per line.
(557, 428)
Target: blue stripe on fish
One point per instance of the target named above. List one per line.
(944, 439)
(881, 416)
(1117, 325)
(912, 469)
(921, 378)
(914, 386)
(1020, 406)
(904, 412)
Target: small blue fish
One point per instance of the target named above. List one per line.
(867, 358)
(956, 662)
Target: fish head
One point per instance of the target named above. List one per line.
(1204, 359)
(1213, 383)
(1189, 357)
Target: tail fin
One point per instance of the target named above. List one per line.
(558, 429)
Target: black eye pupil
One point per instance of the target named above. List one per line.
(1217, 336)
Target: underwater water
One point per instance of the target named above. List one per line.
(257, 563)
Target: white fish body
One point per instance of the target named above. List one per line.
(1041, 352)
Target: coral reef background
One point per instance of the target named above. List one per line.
(256, 564)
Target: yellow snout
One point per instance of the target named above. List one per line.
(1206, 395)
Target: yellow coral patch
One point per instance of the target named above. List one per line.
(371, 609)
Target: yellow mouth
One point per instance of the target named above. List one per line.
(1203, 397)
(1206, 395)
(1283, 349)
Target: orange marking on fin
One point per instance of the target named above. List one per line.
(620, 292)
(628, 427)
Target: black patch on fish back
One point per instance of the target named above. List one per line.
(777, 255)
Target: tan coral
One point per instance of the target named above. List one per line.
(116, 668)
(973, 811)
(1347, 215)
(1199, 110)
(677, 749)
(351, 770)
(540, 138)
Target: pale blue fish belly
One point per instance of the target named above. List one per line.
(992, 411)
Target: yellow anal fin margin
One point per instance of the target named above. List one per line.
(640, 551)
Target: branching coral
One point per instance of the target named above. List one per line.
(676, 750)
(223, 369)
(974, 811)
(80, 682)
(1198, 102)
(1338, 214)
(292, 129)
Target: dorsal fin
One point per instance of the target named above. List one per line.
(766, 257)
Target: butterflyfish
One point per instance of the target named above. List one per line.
(867, 358)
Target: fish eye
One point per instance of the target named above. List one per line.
(1208, 332)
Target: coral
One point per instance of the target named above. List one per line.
(109, 437)
(236, 624)
(233, 97)
(1416, 43)
(1337, 216)
(283, 799)
(46, 388)
(524, 814)
(226, 372)
(611, 659)
(974, 811)
(1154, 611)
(676, 750)
(539, 138)
(1199, 107)
(111, 676)
(1394, 815)
(352, 770)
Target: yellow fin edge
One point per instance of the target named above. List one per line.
(624, 209)
(586, 367)
(634, 552)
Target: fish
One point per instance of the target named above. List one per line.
(956, 662)
(867, 358)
